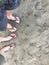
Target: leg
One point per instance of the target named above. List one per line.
(3, 19)
(11, 5)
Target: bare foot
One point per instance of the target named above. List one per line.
(11, 28)
(4, 39)
(8, 38)
(10, 17)
(14, 18)
(6, 48)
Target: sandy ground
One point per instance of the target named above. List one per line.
(32, 43)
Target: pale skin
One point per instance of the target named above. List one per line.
(4, 39)
(6, 48)
(11, 17)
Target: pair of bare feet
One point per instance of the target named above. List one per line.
(11, 29)
(14, 19)
(9, 26)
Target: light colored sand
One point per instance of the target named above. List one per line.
(32, 43)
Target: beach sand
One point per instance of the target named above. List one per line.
(32, 42)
